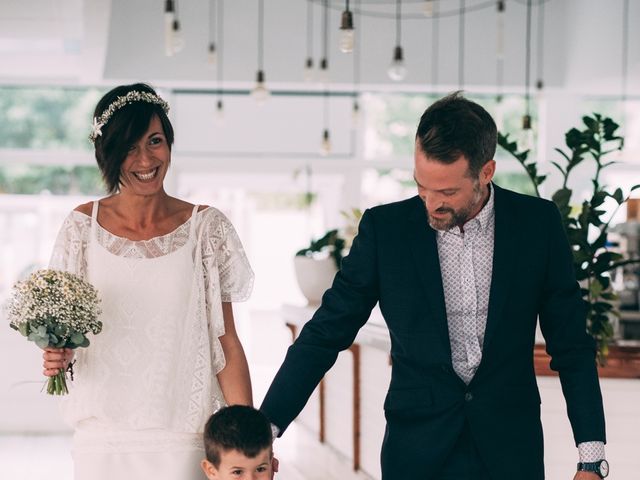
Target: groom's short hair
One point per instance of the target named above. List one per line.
(239, 428)
(455, 126)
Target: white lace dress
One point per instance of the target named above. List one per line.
(147, 383)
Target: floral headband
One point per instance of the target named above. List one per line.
(118, 103)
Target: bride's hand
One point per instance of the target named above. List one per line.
(56, 359)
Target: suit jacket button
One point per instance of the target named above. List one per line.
(468, 397)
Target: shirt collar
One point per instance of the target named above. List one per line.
(484, 216)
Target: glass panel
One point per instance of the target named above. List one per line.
(392, 120)
(46, 118)
(58, 180)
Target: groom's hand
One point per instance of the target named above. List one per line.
(586, 476)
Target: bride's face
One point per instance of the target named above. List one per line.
(147, 162)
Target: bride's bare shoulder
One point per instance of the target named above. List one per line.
(87, 208)
(84, 208)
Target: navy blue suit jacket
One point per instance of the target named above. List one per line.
(394, 262)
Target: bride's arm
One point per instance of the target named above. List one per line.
(68, 255)
(234, 377)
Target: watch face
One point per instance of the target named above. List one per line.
(604, 468)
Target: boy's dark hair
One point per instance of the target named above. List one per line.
(239, 428)
(455, 126)
(124, 128)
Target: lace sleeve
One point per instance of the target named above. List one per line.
(223, 253)
(71, 245)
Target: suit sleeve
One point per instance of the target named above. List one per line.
(572, 349)
(345, 307)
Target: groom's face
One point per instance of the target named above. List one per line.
(450, 192)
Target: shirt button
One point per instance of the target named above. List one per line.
(468, 397)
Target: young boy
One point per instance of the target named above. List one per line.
(238, 445)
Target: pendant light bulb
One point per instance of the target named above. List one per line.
(397, 70)
(499, 113)
(212, 55)
(346, 32)
(539, 90)
(178, 38)
(169, 17)
(308, 69)
(355, 113)
(324, 71)
(525, 137)
(260, 93)
(427, 8)
(325, 147)
(219, 112)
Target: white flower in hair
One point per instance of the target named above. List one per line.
(96, 129)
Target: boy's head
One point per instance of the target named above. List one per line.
(237, 442)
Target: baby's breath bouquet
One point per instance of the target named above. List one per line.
(55, 309)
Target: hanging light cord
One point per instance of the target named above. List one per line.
(528, 60)
(309, 29)
(325, 32)
(540, 45)
(625, 47)
(212, 20)
(461, 46)
(398, 23)
(356, 57)
(220, 18)
(326, 108)
(325, 53)
(260, 34)
(500, 58)
(434, 45)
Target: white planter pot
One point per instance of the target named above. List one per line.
(314, 276)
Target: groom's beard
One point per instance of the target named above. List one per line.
(456, 217)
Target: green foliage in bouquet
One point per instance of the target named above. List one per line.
(55, 309)
(585, 226)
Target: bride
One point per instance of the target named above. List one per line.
(167, 272)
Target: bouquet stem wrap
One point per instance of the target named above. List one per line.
(57, 385)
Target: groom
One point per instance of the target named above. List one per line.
(462, 273)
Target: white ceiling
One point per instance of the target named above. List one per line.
(108, 41)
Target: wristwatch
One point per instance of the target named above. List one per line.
(600, 468)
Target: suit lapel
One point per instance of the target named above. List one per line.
(422, 239)
(504, 248)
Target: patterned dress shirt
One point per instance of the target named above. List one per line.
(466, 264)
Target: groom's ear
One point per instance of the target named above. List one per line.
(209, 469)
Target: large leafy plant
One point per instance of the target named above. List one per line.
(586, 226)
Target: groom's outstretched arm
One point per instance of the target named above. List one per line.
(345, 307)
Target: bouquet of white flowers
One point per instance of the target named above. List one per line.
(55, 309)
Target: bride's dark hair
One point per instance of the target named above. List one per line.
(124, 128)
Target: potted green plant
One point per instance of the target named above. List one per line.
(585, 225)
(317, 264)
